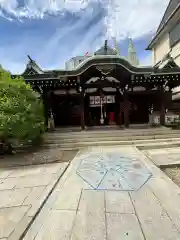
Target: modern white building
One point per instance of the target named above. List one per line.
(75, 61)
(165, 45)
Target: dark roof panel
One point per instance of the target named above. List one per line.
(173, 4)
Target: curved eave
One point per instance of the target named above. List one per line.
(104, 60)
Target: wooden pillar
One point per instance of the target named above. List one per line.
(162, 108)
(46, 106)
(126, 110)
(82, 109)
(82, 95)
(118, 116)
(49, 119)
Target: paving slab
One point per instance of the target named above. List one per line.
(10, 218)
(89, 226)
(147, 212)
(164, 157)
(118, 202)
(169, 196)
(54, 228)
(154, 219)
(22, 192)
(123, 226)
(14, 197)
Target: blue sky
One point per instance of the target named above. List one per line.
(53, 31)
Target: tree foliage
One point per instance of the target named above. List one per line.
(21, 112)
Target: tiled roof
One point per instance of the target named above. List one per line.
(173, 4)
(171, 9)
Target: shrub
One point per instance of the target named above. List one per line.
(21, 112)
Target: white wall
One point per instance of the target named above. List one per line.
(175, 53)
(69, 64)
(75, 61)
(161, 48)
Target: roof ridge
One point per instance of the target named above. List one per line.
(175, 4)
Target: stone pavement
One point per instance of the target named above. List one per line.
(164, 157)
(22, 192)
(99, 199)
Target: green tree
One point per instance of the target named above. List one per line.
(21, 112)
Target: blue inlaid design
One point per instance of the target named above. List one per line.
(113, 172)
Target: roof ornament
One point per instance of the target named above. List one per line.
(105, 70)
(116, 48)
(105, 47)
(30, 58)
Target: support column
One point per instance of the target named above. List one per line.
(126, 110)
(49, 118)
(162, 109)
(46, 106)
(82, 109)
(118, 108)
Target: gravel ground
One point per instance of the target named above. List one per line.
(174, 174)
(40, 156)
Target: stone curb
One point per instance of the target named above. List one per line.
(170, 165)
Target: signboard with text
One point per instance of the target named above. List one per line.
(96, 101)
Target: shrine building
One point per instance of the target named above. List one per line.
(105, 89)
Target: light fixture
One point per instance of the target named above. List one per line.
(126, 87)
(167, 88)
(80, 89)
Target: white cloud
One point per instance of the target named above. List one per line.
(134, 18)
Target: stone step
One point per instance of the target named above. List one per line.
(112, 129)
(159, 145)
(138, 143)
(99, 129)
(80, 135)
(62, 140)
